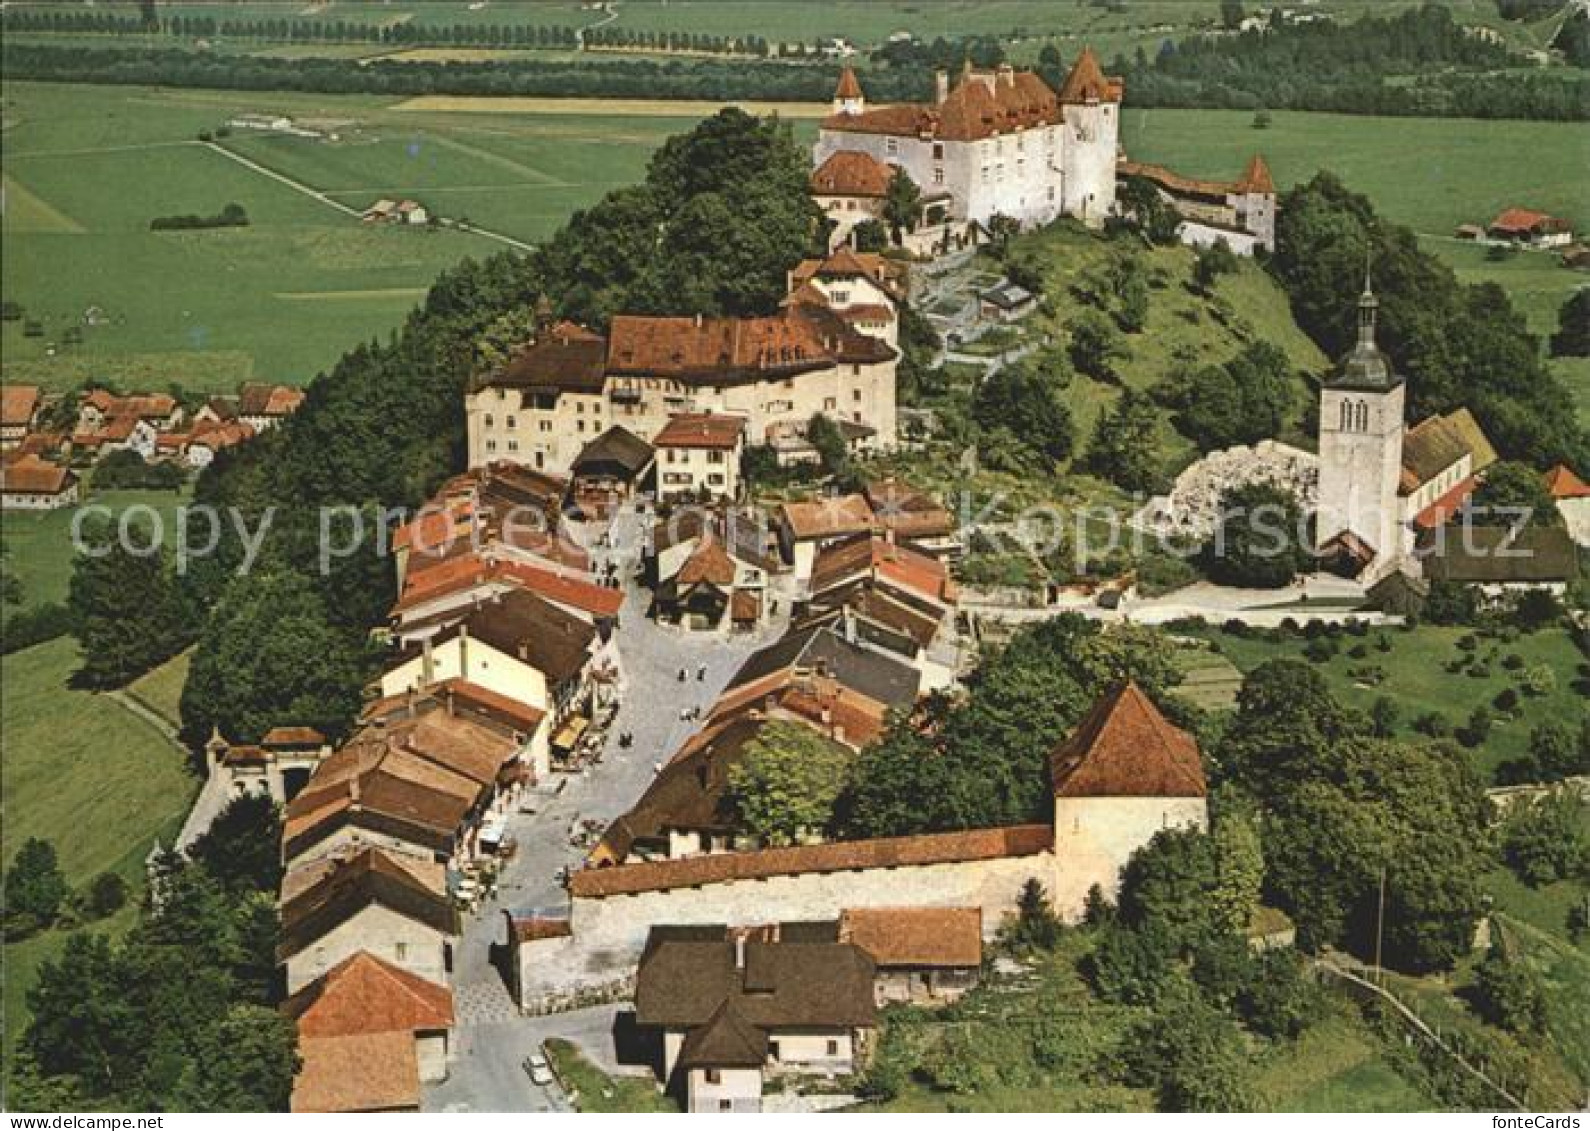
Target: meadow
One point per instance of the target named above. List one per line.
(40, 548)
(102, 790)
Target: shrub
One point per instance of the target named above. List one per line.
(1280, 1000)
(106, 895)
(1507, 995)
(1545, 840)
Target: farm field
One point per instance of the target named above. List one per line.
(1420, 684)
(210, 308)
(102, 790)
(1024, 24)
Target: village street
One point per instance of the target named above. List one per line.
(492, 1038)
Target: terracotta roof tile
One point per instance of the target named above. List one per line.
(31, 475)
(1562, 483)
(837, 856)
(368, 1072)
(1524, 220)
(1126, 748)
(701, 430)
(850, 172)
(916, 936)
(18, 404)
(828, 517)
(849, 86)
(365, 994)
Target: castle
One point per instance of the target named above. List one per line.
(1000, 142)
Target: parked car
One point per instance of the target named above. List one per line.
(536, 1067)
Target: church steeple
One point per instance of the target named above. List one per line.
(1365, 368)
(1368, 312)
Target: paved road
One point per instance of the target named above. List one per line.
(493, 1039)
(488, 1072)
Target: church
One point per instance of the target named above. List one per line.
(1381, 483)
(999, 142)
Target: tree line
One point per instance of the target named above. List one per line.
(694, 78)
(1345, 68)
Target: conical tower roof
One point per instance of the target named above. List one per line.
(1086, 82)
(849, 84)
(1256, 177)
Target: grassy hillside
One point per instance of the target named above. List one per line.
(1418, 682)
(85, 773)
(1185, 330)
(1430, 174)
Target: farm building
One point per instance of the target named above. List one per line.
(33, 484)
(1530, 229)
(19, 411)
(386, 211)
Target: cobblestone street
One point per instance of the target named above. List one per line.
(493, 1039)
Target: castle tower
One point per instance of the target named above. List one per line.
(1090, 103)
(1360, 446)
(848, 98)
(1255, 202)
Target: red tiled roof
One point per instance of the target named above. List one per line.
(849, 86)
(535, 928)
(1521, 220)
(850, 172)
(1126, 748)
(31, 475)
(701, 430)
(709, 562)
(797, 339)
(829, 518)
(1440, 512)
(916, 936)
(367, 1072)
(1086, 82)
(269, 400)
(471, 570)
(293, 736)
(984, 104)
(365, 994)
(811, 859)
(18, 403)
(1256, 178)
(1562, 483)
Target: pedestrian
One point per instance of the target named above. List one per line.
(682, 675)
(701, 673)
(656, 767)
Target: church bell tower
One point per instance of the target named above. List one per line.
(1360, 447)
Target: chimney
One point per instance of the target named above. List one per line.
(698, 319)
(941, 86)
(1005, 75)
(463, 649)
(739, 950)
(427, 663)
(353, 789)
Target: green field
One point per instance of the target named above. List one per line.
(1418, 682)
(40, 545)
(85, 773)
(283, 298)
